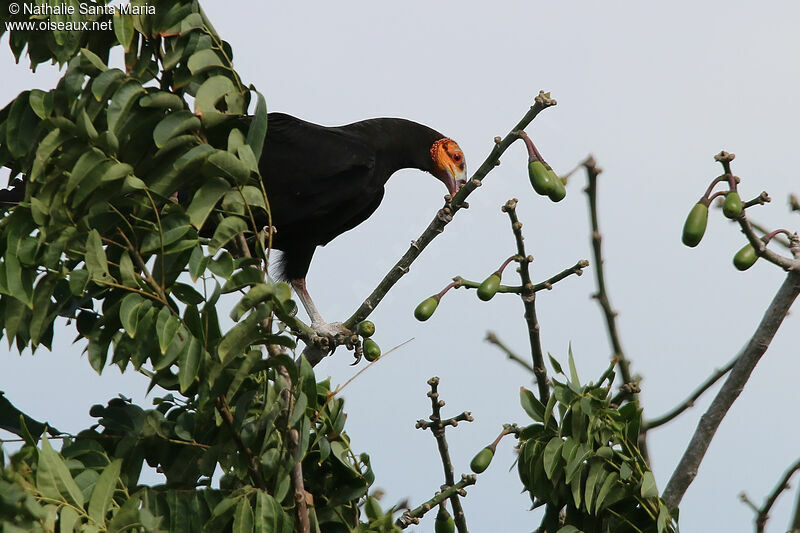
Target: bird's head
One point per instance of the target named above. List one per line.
(449, 165)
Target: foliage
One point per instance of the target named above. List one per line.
(580, 456)
(137, 185)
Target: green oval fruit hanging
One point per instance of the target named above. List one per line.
(695, 226)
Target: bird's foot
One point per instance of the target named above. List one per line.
(330, 329)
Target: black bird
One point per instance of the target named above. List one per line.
(322, 181)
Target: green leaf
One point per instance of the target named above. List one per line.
(85, 164)
(552, 455)
(555, 364)
(532, 406)
(663, 517)
(123, 29)
(569, 529)
(53, 478)
(44, 151)
(95, 257)
(192, 22)
(86, 129)
(127, 517)
(572, 370)
(204, 60)
(41, 102)
(608, 484)
(103, 84)
(91, 62)
(167, 326)
(121, 103)
(211, 92)
(229, 166)
(243, 517)
(189, 364)
(596, 469)
(103, 492)
(257, 131)
(227, 230)
(548, 410)
(173, 125)
(649, 489)
(116, 171)
(238, 338)
(205, 199)
(161, 100)
(129, 313)
(68, 518)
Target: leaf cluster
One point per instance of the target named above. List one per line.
(580, 458)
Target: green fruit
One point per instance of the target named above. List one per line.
(481, 461)
(365, 329)
(557, 190)
(540, 178)
(444, 522)
(695, 225)
(745, 258)
(489, 287)
(424, 310)
(371, 350)
(732, 207)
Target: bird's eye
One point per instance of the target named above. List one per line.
(457, 158)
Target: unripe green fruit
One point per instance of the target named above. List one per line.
(489, 287)
(540, 178)
(481, 461)
(365, 329)
(695, 226)
(732, 207)
(745, 258)
(424, 310)
(371, 350)
(557, 189)
(444, 522)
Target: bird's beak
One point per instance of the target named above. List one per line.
(456, 178)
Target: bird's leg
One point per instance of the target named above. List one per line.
(318, 324)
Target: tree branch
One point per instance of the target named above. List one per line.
(689, 464)
(689, 402)
(445, 215)
(762, 514)
(413, 516)
(492, 338)
(227, 417)
(592, 172)
(437, 427)
(528, 296)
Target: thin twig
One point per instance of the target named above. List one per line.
(592, 172)
(762, 514)
(529, 302)
(576, 270)
(492, 338)
(445, 215)
(437, 427)
(746, 361)
(412, 516)
(689, 402)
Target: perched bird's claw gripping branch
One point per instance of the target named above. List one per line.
(446, 213)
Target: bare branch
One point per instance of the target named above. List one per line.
(445, 215)
(746, 361)
(437, 427)
(689, 402)
(493, 339)
(528, 296)
(762, 513)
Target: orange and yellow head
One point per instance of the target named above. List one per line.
(449, 165)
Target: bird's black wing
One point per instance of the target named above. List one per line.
(312, 171)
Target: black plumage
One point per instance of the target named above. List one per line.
(322, 181)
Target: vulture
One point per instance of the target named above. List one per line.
(322, 181)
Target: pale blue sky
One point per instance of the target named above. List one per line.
(654, 91)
